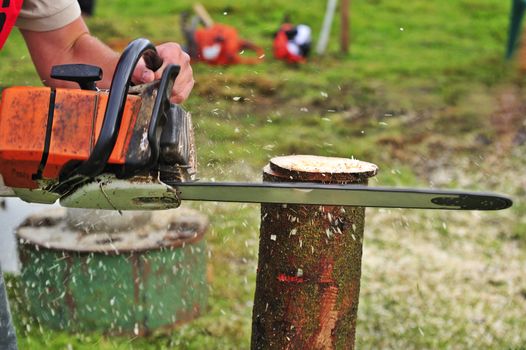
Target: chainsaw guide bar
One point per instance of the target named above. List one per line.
(150, 194)
(345, 195)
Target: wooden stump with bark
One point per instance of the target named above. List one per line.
(309, 267)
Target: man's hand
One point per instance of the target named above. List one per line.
(171, 53)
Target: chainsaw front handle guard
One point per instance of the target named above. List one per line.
(120, 84)
(160, 109)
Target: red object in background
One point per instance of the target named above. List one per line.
(9, 10)
(280, 46)
(220, 44)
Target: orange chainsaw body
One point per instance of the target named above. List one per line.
(42, 130)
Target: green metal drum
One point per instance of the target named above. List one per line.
(149, 278)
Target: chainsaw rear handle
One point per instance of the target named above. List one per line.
(83, 74)
(120, 84)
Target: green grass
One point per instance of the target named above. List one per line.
(419, 102)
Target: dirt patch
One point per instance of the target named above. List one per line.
(227, 86)
(509, 119)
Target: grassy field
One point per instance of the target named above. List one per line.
(425, 93)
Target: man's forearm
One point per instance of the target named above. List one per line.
(74, 44)
(90, 50)
(70, 44)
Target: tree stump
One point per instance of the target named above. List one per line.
(308, 277)
(80, 274)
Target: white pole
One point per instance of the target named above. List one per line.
(326, 27)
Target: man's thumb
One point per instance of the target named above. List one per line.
(142, 74)
(147, 76)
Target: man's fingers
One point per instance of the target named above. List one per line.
(183, 86)
(171, 53)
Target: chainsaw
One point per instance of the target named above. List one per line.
(129, 148)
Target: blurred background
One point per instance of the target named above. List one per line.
(424, 91)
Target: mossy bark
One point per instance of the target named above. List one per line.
(309, 268)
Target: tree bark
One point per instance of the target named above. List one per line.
(309, 266)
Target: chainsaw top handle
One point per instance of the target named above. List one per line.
(120, 84)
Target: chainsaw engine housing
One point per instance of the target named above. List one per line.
(42, 130)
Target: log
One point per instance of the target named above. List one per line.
(308, 277)
(149, 279)
(344, 33)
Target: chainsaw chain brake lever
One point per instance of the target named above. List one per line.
(161, 109)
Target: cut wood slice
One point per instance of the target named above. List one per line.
(321, 169)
